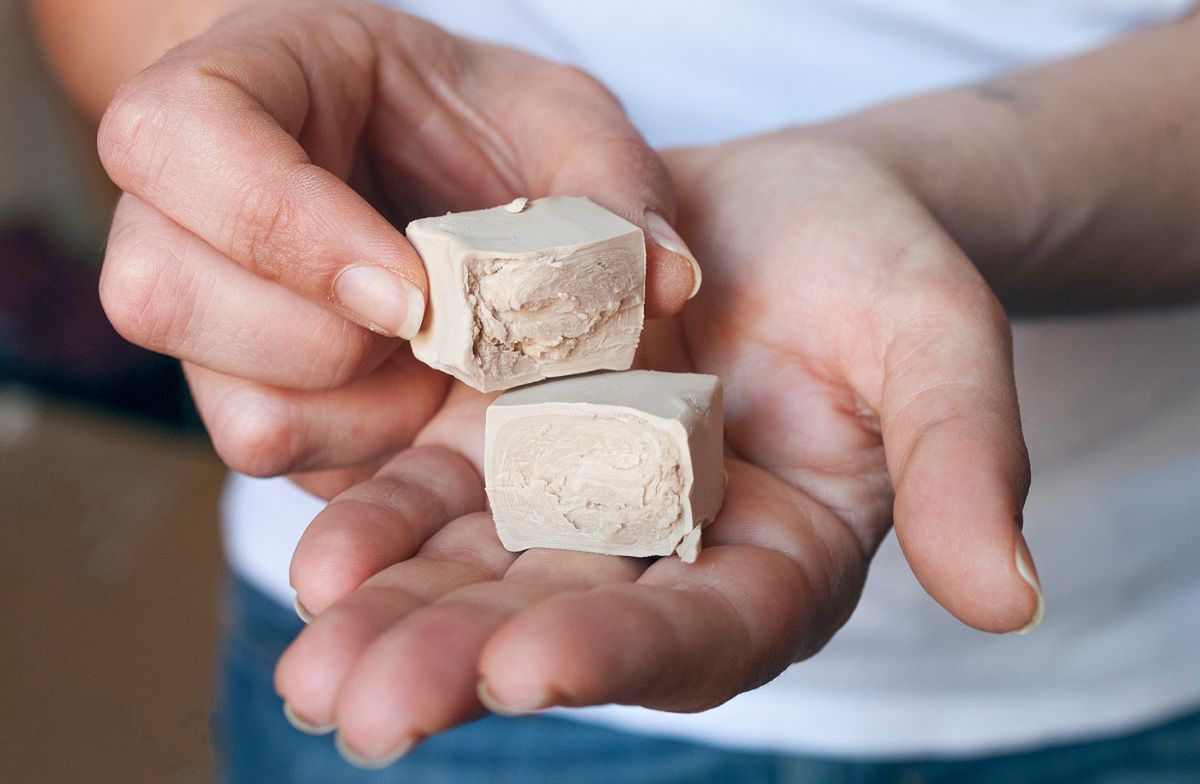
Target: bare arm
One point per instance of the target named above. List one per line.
(95, 45)
(1075, 184)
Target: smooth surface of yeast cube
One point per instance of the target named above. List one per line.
(531, 290)
(625, 463)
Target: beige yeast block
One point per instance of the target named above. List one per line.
(625, 463)
(530, 290)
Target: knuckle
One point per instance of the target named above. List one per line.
(141, 293)
(620, 165)
(133, 131)
(617, 154)
(576, 81)
(261, 229)
(604, 147)
(254, 435)
(956, 299)
(972, 305)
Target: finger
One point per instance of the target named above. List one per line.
(777, 576)
(459, 424)
(268, 431)
(312, 670)
(420, 676)
(381, 522)
(165, 289)
(209, 137)
(329, 482)
(572, 137)
(952, 436)
(456, 426)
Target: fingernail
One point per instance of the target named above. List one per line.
(1025, 569)
(666, 236)
(302, 611)
(541, 702)
(360, 760)
(387, 302)
(304, 725)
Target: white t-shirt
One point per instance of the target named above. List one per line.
(1111, 405)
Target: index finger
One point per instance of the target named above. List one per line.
(209, 136)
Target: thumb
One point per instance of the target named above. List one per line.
(952, 434)
(571, 137)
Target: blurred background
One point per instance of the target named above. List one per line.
(109, 555)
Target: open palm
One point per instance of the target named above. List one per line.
(859, 352)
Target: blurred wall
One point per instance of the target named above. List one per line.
(109, 554)
(48, 169)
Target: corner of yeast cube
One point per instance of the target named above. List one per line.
(530, 290)
(625, 463)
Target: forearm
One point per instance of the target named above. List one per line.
(1071, 185)
(95, 45)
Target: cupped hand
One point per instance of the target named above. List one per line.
(266, 166)
(868, 377)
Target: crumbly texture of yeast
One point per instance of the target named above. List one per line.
(607, 483)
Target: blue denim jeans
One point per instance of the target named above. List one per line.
(256, 745)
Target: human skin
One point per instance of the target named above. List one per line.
(867, 375)
(868, 380)
(267, 162)
(862, 357)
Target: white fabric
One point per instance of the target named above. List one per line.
(1111, 405)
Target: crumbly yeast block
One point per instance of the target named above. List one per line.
(530, 290)
(621, 463)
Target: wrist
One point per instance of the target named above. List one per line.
(962, 156)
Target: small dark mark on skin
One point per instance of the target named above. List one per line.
(991, 91)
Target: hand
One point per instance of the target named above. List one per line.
(266, 165)
(860, 352)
